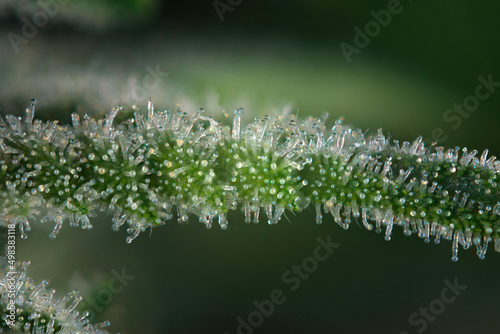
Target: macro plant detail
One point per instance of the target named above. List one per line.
(29, 307)
(149, 166)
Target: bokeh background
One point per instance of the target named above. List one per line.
(269, 57)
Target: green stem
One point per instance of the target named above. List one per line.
(144, 167)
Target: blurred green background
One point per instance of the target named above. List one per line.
(268, 57)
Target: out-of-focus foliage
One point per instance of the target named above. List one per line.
(84, 14)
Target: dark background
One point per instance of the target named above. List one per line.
(264, 56)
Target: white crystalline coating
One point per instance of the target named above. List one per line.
(108, 122)
(30, 114)
(37, 310)
(151, 112)
(149, 165)
(237, 124)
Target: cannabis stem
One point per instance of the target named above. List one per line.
(144, 167)
(29, 307)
